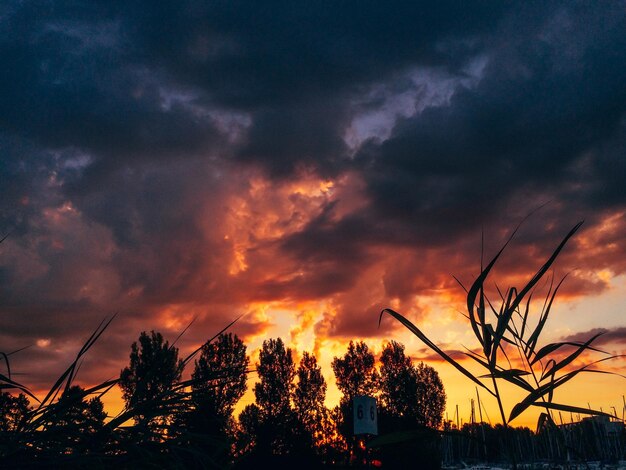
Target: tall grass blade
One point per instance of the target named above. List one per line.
(6, 361)
(539, 274)
(557, 366)
(503, 323)
(478, 285)
(197, 350)
(534, 337)
(460, 283)
(416, 331)
(544, 389)
(573, 409)
(512, 376)
(477, 358)
(7, 383)
(525, 317)
(550, 348)
(183, 332)
(68, 375)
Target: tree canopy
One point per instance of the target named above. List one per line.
(154, 368)
(276, 371)
(13, 409)
(188, 422)
(356, 372)
(431, 396)
(308, 399)
(220, 374)
(398, 382)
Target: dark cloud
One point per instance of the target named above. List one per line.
(188, 159)
(532, 115)
(293, 67)
(276, 52)
(428, 356)
(607, 336)
(306, 133)
(121, 80)
(354, 319)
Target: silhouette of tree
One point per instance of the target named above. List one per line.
(249, 423)
(398, 382)
(415, 394)
(219, 378)
(13, 439)
(273, 392)
(217, 383)
(154, 369)
(308, 400)
(271, 433)
(431, 396)
(356, 375)
(74, 425)
(355, 372)
(276, 371)
(338, 445)
(86, 416)
(13, 410)
(408, 404)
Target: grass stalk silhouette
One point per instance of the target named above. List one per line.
(37, 430)
(507, 328)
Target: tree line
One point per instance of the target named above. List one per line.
(190, 423)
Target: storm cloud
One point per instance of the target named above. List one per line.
(197, 159)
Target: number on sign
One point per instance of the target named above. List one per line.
(364, 414)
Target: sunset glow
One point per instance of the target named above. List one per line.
(302, 172)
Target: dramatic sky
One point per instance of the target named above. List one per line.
(305, 164)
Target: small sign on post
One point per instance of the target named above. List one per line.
(365, 415)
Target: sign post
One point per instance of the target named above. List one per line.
(365, 415)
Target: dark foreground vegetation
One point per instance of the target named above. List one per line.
(169, 422)
(177, 420)
(508, 338)
(595, 439)
(172, 422)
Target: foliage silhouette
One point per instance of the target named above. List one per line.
(414, 394)
(75, 425)
(431, 397)
(13, 410)
(310, 391)
(398, 382)
(153, 370)
(219, 377)
(356, 372)
(411, 398)
(276, 372)
(308, 401)
(275, 434)
(62, 427)
(218, 382)
(355, 375)
(66, 428)
(507, 329)
(248, 431)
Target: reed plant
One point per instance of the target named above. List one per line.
(34, 442)
(53, 434)
(505, 328)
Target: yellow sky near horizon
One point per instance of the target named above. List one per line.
(445, 326)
